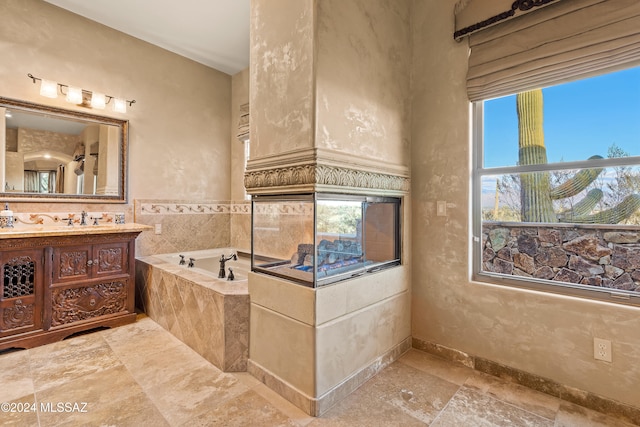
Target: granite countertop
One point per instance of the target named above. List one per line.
(22, 231)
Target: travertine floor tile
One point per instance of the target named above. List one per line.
(246, 378)
(436, 366)
(15, 371)
(533, 401)
(153, 369)
(571, 415)
(140, 375)
(296, 414)
(144, 336)
(361, 410)
(188, 396)
(246, 409)
(135, 411)
(92, 392)
(55, 364)
(399, 395)
(15, 414)
(470, 407)
(415, 393)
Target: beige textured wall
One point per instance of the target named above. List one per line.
(239, 96)
(282, 61)
(363, 70)
(180, 123)
(548, 335)
(240, 221)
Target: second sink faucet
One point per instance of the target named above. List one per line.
(223, 260)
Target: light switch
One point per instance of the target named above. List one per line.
(441, 208)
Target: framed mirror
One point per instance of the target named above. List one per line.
(52, 154)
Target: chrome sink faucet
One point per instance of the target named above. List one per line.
(223, 260)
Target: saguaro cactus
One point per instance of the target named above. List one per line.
(536, 193)
(536, 205)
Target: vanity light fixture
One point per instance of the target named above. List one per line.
(74, 95)
(80, 96)
(98, 100)
(119, 105)
(48, 89)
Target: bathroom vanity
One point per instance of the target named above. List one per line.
(57, 281)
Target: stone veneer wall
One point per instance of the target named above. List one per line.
(597, 255)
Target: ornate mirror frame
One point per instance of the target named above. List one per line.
(123, 126)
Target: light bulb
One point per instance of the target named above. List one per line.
(98, 100)
(119, 105)
(74, 95)
(49, 88)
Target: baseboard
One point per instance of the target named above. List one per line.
(316, 406)
(534, 382)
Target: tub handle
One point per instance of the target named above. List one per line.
(191, 262)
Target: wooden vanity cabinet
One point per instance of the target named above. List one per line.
(55, 286)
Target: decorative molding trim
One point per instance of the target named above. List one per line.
(535, 382)
(521, 5)
(76, 239)
(327, 157)
(323, 175)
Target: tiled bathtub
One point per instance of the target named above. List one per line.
(208, 314)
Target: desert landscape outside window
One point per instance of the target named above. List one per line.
(557, 187)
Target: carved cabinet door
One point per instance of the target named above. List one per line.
(21, 291)
(110, 259)
(77, 263)
(72, 263)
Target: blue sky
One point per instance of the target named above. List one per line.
(581, 119)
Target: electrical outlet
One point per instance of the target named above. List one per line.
(158, 228)
(602, 349)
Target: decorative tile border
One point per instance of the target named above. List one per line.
(535, 382)
(244, 208)
(191, 208)
(60, 218)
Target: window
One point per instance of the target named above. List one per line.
(557, 188)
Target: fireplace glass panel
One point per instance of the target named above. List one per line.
(320, 238)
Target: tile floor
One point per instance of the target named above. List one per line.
(140, 375)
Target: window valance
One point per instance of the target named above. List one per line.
(566, 40)
(472, 16)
